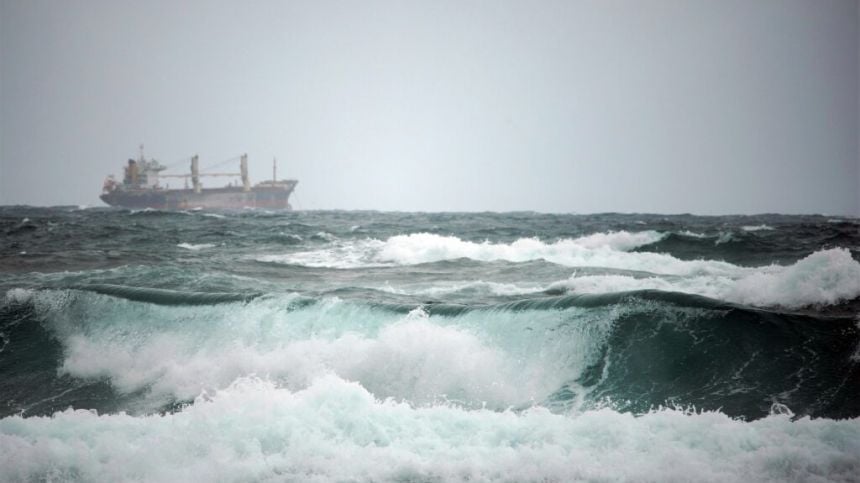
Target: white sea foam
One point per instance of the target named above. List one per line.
(428, 247)
(348, 254)
(290, 236)
(600, 250)
(724, 237)
(438, 289)
(609, 250)
(18, 296)
(714, 287)
(619, 240)
(825, 277)
(757, 228)
(694, 234)
(176, 352)
(335, 430)
(416, 360)
(324, 235)
(195, 247)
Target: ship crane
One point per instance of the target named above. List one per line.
(140, 187)
(196, 174)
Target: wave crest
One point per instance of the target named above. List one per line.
(609, 250)
(826, 277)
(335, 430)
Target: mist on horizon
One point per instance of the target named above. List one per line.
(569, 106)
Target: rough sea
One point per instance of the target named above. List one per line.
(427, 347)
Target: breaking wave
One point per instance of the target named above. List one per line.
(610, 250)
(569, 353)
(826, 277)
(336, 430)
(366, 346)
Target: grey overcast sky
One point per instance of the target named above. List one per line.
(702, 106)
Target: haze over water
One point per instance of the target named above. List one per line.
(586, 106)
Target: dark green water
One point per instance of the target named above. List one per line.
(427, 346)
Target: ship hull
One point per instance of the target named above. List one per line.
(269, 197)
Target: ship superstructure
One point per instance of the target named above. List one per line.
(141, 188)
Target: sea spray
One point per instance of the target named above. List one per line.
(365, 346)
(336, 430)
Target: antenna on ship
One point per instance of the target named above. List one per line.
(141, 152)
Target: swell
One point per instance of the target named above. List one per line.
(29, 380)
(741, 361)
(551, 299)
(168, 297)
(737, 247)
(752, 245)
(823, 277)
(668, 348)
(633, 351)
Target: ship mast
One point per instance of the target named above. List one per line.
(243, 168)
(195, 174)
(274, 171)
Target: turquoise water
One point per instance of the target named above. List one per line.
(366, 346)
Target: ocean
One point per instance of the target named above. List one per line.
(427, 347)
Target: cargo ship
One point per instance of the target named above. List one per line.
(141, 188)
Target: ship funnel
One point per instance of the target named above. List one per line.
(243, 167)
(195, 174)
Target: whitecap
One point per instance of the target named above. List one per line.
(825, 277)
(195, 247)
(335, 430)
(757, 228)
(18, 296)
